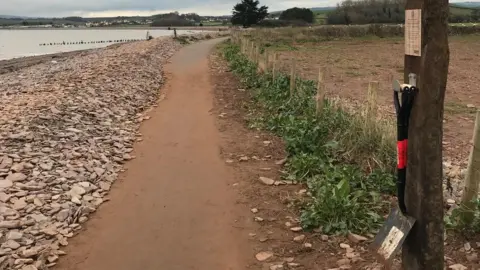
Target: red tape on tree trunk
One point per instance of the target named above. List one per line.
(402, 154)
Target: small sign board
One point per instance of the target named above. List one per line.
(413, 32)
(391, 236)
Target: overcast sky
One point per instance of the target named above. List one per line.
(98, 8)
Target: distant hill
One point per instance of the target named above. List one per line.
(167, 19)
(456, 8)
(11, 17)
(322, 8)
(467, 4)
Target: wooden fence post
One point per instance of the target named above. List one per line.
(266, 62)
(372, 101)
(292, 78)
(320, 90)
(472, 179)
(274, 65)
(252, 51)
(245, 47)
(371, 109)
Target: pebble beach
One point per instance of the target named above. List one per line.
(67, 127)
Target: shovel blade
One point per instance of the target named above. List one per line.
(390, 238)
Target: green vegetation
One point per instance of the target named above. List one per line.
(176, 19)
(298, 14)
(464, 14)
(290, 17)
(215, 23)
(321, 16)
(454, 10)
(457, 108)
(345, 159)
(289, 37)
(248, 13)
(466, 4)
(455, 220)
(368, 11)
(281, 23)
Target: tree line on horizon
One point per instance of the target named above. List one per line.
(368, 12)
(176, 19)
(384, 11)
(249, 12)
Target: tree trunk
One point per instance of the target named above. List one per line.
(423, 248)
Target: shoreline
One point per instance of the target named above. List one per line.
(206, 28)
(18, 63)
(67, 129)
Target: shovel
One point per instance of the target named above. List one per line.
(391, 236)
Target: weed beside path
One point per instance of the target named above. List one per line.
(351, 65)
(346, 164)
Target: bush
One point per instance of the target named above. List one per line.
(248, 13)
(298, 14)
(455, 221)
(455, 30)
(329, 153)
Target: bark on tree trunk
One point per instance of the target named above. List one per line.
(423, 248)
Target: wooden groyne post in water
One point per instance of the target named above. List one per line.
(94, 42)
(149, 37)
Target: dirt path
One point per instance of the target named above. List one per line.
(174, 207)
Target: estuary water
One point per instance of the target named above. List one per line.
(26, 42)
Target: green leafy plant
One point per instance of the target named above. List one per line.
(346, 163)
(454, 220)
(336, 208)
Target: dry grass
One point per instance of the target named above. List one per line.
(371, 136)
(330, 32)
